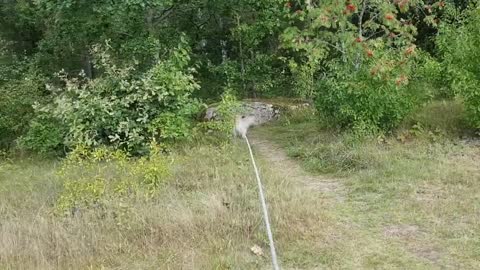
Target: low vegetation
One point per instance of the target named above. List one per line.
(397, 203)
(411, 197)
(204, 215)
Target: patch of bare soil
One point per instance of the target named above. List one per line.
(411, 235)
(401, 231)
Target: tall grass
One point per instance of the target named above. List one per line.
(406, 205)
(418, 195)
(207, 216)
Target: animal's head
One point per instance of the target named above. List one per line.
(238, 118)
(245, 119)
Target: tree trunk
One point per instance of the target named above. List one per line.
(88, 66)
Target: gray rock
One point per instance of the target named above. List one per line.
(263, 112)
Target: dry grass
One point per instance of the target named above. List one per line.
(206, 217)
(408, 205)
(411, 204)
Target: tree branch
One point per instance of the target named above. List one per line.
(360, 19)
(360, 32)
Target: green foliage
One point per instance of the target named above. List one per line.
(152, 169)
(356, 59)
(125, 109)
(80, 194)
(363, 107)
(169, 126)
(92, 178)
(45, 135)
(19, 90)
(20, 25)
(78, 25)
(264, 76)
(304, 79)
(373, 97)
(430, 77)
(258, 76)
(258, 68)
(227, 108)
(136, 88)
(461, 57)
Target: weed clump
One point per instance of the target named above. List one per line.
(94, 177)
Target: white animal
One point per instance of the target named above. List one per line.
(242, 124)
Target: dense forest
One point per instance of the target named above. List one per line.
(123, 73)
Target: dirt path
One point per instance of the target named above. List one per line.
(293, 170)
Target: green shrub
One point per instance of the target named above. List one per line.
(357, 67)
(303, 79)
(152, 169)
(227, 108)
(430, 78)
(45, 135)
(19, 90)
(80, 194)
(125, 109)
(461, 56)
(375, 96)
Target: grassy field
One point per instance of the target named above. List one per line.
(412, 198)
(405, 201)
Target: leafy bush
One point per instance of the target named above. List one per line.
(45, 135)
(356, 60)
(303, 83)
(461, 56)
(373, 97)
(19, 90)
(125, 109)
(430, 77)
(227, 108)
